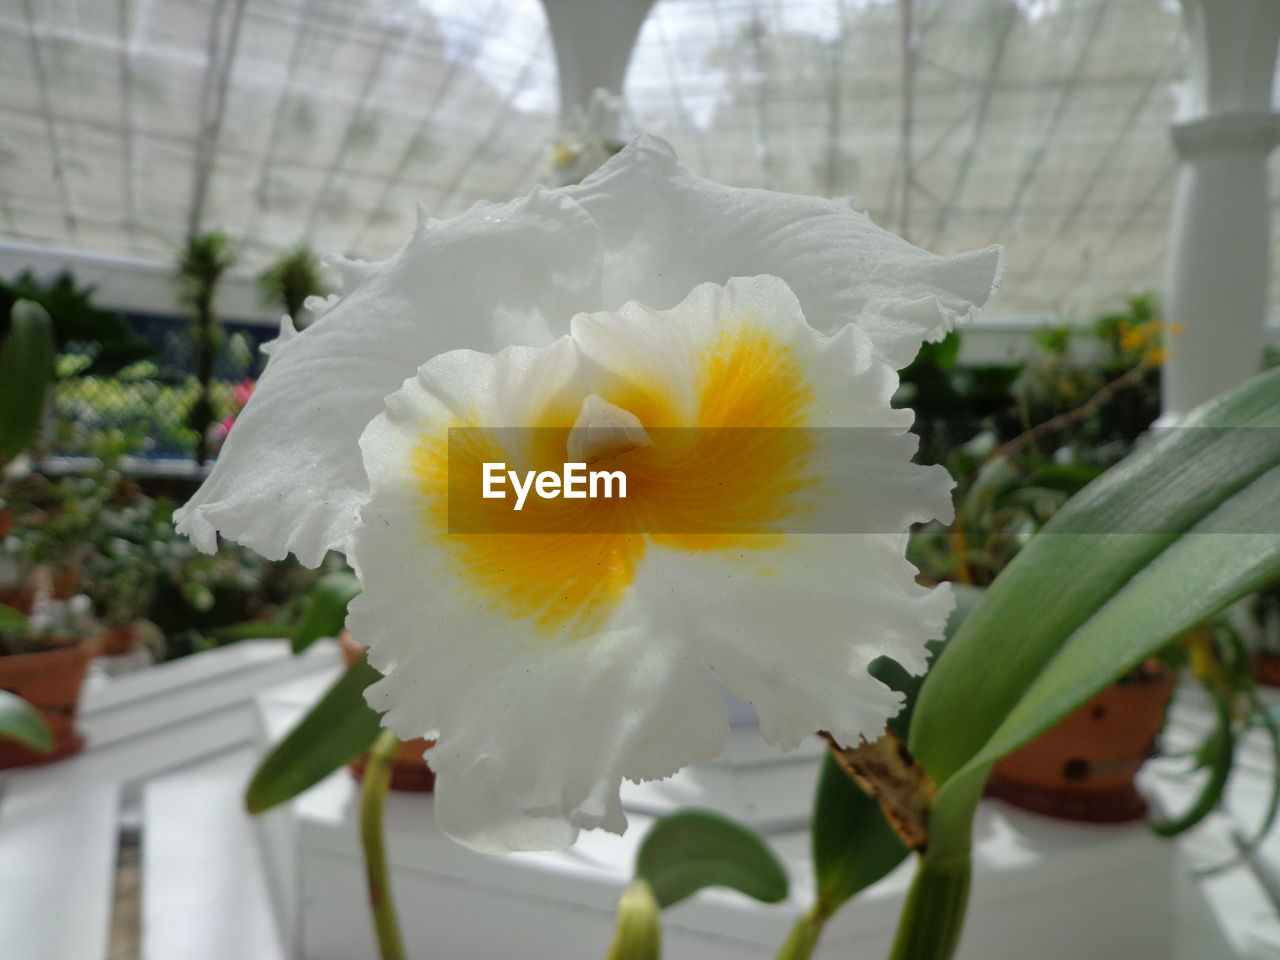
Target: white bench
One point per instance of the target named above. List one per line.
(174, 738)
(173, 747)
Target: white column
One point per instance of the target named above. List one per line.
(1217, 272)
(593, 40)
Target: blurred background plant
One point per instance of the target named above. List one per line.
(204, 261)
(288, 282)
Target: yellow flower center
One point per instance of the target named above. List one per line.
(719, 467)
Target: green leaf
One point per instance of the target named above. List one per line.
(337, 730)
(11, 620)
(692, 849)
(326, 611)
(22, 722)
(1107, 581)
(26, 369)
(1160, 542)
(853, 844)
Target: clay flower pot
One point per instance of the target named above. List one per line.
(1266, 669)
(64, 582)
(409, 771)
(116, 641)
(50, 680)
(1084, 768)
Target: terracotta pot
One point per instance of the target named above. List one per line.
(22, 599)
(1084, 768)
(50, 680)
(117, 641)
(64, 582)
(409, 771)
(1266, 669)
(6, 523)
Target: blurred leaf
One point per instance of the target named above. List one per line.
(22, 722)
(11, 620)
(26, 370)
(326, 610)
(337, 730)
(693, 849)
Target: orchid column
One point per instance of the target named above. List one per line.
(1218, 263)
(593, 42)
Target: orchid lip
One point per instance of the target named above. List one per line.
(604, 431)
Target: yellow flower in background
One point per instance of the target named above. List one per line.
(732, 354)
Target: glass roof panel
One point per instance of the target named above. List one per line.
(1040, 124)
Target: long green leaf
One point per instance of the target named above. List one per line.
(692, 849)
(326, 611)
(22, 722)
(1168, 537)
(337, 730)
(26, 369)
(1100, 551)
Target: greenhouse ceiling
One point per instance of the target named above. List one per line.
(1040, 124)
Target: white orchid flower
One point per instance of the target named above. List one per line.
(550, 662)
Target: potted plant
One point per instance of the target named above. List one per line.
(43, 659)
(120, 580)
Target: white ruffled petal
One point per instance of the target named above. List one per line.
(290, 477)
(793, 629)
(665, 230)
(536, 728)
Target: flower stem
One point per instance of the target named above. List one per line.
(373, 796)
(933, 916)
(804, 935)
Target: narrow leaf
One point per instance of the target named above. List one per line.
(22, 722)
(337, 730)
(26, 369)
(693, 849)
(1095, 548)
(326, 610)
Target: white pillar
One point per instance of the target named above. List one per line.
(593, 40)
(1218, 266)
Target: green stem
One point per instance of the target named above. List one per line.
(373, 796)
(933, 916)
(804, 935)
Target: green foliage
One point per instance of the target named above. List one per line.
(11, 620)
(335, 732)
(22, 722)
(689, 850)
(293, 278)
(325, 609)
(203, 261)
(853, 845)
(1103, 586)
(103, 337)
(26, 368)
